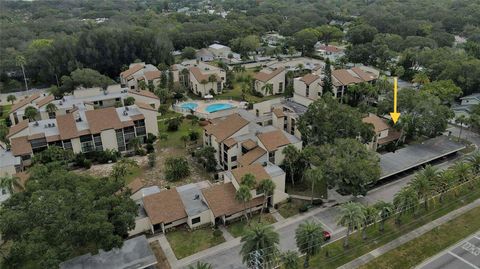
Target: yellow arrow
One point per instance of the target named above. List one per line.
(395, 115)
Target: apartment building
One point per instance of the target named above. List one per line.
(201, 78)
(270, 81)
(342, 78)
(239, 142)
(82, 99)
(307, 89)
(137, 72)
(84, 130)
(384, 134)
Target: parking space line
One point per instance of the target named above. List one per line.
(463, 260)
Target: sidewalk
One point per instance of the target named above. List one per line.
(409, 236)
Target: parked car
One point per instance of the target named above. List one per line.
(326, 235)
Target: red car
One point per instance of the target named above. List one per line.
(326, 235)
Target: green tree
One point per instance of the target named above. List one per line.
(290, 260)
(260, 239)
(267, 88)
(163, 94)
(461, 120)
(385, 211)
(474, 161)
(315, 177)
(371, 215)
(291, 159)
(243, 195)
(445, 90)
(249, 181)
(176, 168)
(305, 40)
(20, 61)
(11, 98)
(31, 113)
(121, 168)
(151, 159)
(128, 101)
(51, 108)
(173, 124)
(351, 216)
(421, 78)
(8, 183)
(267, 187)
(67, 224)
(188, 53)
(206, 157)
(327, 78)
(361, 34)
(404, 201)
(163, 80)
(328, 33)
(309, 239)
(142, 85)
(185, 138)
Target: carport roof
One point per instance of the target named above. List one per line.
(414, 155)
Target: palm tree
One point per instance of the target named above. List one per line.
(290, 259)
(474, 161)
(420, 78)
(405, 200)
(201, 265)
(446, 180)
(260, 240)
(385, 210)
(351, 216)
(268, 88)
(11, 98)
(245, 87)
(249, 181)
(462, 171)
(31, 113)
(51, 108)
(315, 177)
(243, 195)
(267, 187)
(422, 186)
(142, 85)
(371, 215)
(292, 154)
(21, 62)
(462, 119)
(309, 238)
(185, 139)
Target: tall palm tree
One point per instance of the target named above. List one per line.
(315, 177)
(385, 210)
(31, 113)
(243, 195)
(51, 108)
(405, 200)
(446, 180)
(249, 181)
(461, 119)
(201, 265)
(423, 187)
(351, 216)
(292, 155)
(21, 62)
(290, 259)
(371, 215)
(474, 161)
(260, 241)
(267, 187)
(462, 170)
(309, 238)
(11, 98)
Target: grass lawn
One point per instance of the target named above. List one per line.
(5, 109)
(133, 173)
(239, 228)
(174, 138)
(185, 243)
(169, 114)
(290, 209)
(338, 256)
(438, 239)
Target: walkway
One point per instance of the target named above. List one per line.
(409, 236)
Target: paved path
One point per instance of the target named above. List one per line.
(278, 216)
(226, 234)
(409, 236)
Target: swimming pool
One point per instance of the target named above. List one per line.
(217, 107)
(189, 106)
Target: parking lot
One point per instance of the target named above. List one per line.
(465, 254)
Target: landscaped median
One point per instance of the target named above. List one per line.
(334, 255)
(427, 245)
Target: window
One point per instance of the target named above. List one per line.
(120, 141)
(51, 115)
(280, 87)
(219, 86)
(307, 91)
(132, 87)
(271, 157)
(233, 158)
(195, 220)
(97, 139)
(67, 144)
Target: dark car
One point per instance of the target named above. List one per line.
(326, 235)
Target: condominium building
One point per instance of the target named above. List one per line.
(137, 72)
(270, 81)
(201, 78)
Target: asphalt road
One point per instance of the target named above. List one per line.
(465, 255)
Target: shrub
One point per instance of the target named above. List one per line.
(151, 160)
(162, 109)
(173, 124)
(150, 148)
(150, 138)
(217, 233)
(193, 135)
(163, 136)
(303, 208)
(176, 168)
(141, 152)
(87, 164)
(191, 117)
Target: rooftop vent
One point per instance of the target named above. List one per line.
(197, 196)
(125, 113)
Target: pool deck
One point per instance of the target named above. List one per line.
(201, 109)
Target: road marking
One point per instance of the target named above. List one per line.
(463, 260)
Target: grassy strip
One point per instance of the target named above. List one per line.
(175, 138)
(185, 243)
(334, 255)
(407, 255)
(239, 228)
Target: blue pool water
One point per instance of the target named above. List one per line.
(190, 106)
(217, 107)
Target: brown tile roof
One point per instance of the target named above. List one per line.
(230, 142)
(67, 127)
(278, 112)
(199, 75)
(137, 117)
(273, 140)
(135, 185)
(392, 136)
(45, 100)
(103, 119)
(21, 146)
(53, 138)
(24, 102)
(225, 127)
(263, 76)
(144, 93)
(309, 78)
(36, 136)
(251, 156)
(17, 128)
(143, 105)
(249, 144)
(221, 200)
(377, 122)
(345, 77)
(151, 75)
(164, 207)
(329, 48)
(365, 76)
(255, 169)
(134, 69)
